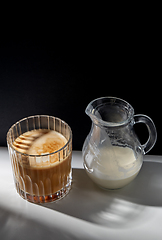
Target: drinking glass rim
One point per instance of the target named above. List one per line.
(35, 155)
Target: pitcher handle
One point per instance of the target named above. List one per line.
(139, 118)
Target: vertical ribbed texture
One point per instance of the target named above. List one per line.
(41, 184)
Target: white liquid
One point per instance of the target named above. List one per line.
(113, 167)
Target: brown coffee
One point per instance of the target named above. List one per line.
(44, 165)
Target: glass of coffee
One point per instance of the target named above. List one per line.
(40, 149)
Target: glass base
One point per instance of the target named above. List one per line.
(47, 198)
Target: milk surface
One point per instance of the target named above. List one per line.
(113, 167)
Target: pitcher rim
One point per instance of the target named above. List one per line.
(90, 112)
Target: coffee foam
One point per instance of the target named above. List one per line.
(39, 142)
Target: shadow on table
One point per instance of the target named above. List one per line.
(15, 226)
(113, 208)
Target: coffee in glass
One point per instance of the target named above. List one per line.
(40, 149)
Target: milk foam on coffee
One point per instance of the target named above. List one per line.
(40, 142)
(114, 167)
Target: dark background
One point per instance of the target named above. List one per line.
(60, 77)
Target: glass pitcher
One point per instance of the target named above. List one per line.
(112, 152)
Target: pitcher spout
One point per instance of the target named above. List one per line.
(92, 113)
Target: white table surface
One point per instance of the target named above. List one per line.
(87, 212)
